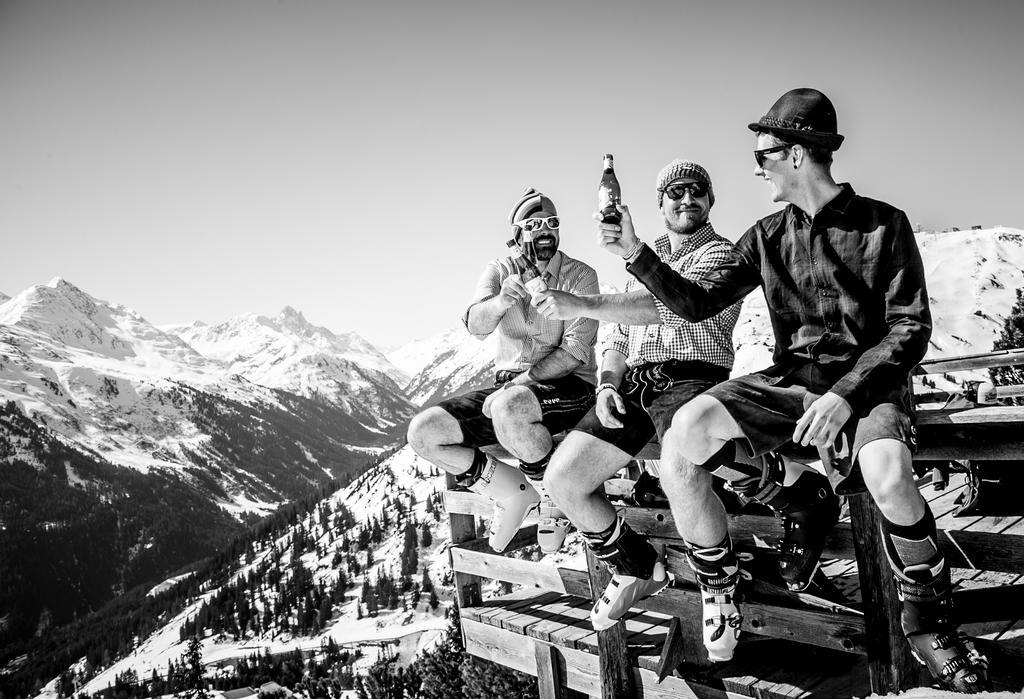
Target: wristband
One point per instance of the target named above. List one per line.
(633, 251)
(604, 386)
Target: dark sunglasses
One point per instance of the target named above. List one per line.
(759, 154)
(675, 192)
(535, 224)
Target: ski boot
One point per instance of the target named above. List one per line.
(947, 652)
(513, 499)
(718, 573)
(808, 509)
(636, 573)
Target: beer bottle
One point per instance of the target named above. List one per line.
(532, 278)
(608, 193)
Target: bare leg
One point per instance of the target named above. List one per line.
(578, 469)
(436, 436)
(699, 430)
(889, 476)
(517, 424)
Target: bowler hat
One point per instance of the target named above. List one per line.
(803, 115)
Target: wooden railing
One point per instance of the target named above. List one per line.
(986, 433)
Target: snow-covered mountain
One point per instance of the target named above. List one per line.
(3, 297)
(290, 353)
(127, 453)
(445, 364)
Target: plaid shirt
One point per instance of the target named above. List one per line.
(845, 290)
(675, 338)
(524, 335)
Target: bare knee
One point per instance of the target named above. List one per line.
(431, 428)
(679, 476)
(888, 473)
(698, 430)
(515, 405)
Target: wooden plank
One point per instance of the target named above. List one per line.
(987, 550)
(527, 536)
(466, 502)
(891, 667)
(549, 686)
(613, 651)
(463, 528)
(530, 574)
(836, 631)
(519, 653)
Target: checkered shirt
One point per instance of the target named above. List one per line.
(675, 338)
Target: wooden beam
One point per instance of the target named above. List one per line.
(463, 528)
(825, 629)
(548, 684)
(983, 550)
(891, 666)
(613, 651)
(540, 576)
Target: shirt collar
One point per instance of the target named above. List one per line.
(554, 266)
(836, 206)
(701, 236)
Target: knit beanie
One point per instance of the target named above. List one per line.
(683, 168)
(530, 202)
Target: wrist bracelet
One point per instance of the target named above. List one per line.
(633, 251)
(604, 386)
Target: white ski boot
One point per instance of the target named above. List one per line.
(513, 498)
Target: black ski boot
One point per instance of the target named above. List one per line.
(808, 508)
(948, 653)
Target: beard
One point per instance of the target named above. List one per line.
(684, 225)
(547, 251)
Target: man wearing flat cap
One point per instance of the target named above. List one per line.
(544, 382)
(846, 296)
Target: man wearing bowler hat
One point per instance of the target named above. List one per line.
(846, 295)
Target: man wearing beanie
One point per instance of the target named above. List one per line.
(846, 294)
(544, 382)
(652, 362)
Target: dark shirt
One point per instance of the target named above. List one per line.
(845, 291)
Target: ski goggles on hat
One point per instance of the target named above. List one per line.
(535, 224)
(677, 191)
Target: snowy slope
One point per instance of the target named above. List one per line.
(290, 353)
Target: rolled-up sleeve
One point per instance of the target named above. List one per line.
(487, 287)
(580, 335)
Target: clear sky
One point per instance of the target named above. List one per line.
(199, 159)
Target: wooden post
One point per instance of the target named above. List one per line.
(612, 649)
(463, 529)
(891, 666)
(548, 685)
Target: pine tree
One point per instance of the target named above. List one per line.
(1011, 338)
(194, 680)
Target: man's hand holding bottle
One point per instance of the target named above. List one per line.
(618, 238)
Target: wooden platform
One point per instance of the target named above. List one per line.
(793, 645)
(516, 629)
